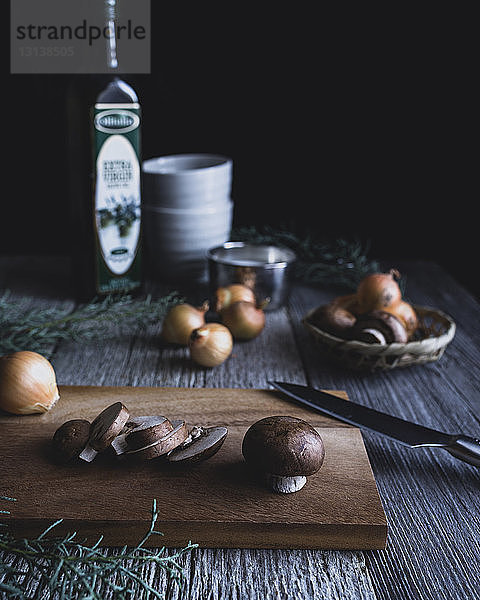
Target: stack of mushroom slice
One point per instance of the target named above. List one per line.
(141, 431)
(139, 437)
(147, 437)
(151, 441)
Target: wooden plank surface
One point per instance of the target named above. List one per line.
(431, 500)
(218, 502)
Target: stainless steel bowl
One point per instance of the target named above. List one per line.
(266, 269)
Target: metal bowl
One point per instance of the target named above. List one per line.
(266, 269)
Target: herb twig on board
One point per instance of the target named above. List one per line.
(38, 329)
(65, 568)
(341, 262)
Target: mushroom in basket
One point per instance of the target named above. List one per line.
(375, 314)
(376, 328)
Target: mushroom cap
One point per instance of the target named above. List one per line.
(333, 319)
(285, 446)
(107, 425)
(70, 439)
(206, 442)
(389, 326)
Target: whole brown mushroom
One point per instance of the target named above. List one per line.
(379, 327)
(285, 449)
(333, 319)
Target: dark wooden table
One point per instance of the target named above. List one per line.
(432, 500)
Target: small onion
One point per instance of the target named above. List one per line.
(211, 344)
(378, 291)
(236, 292)
(180, 321)
(27, 383)
(244, 320)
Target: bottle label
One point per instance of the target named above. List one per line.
(117, 196)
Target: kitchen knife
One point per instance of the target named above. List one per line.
(464, 447)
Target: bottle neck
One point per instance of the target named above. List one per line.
(111, 24)
(117, 91)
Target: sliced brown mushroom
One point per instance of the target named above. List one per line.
(104, 429)
(160, 445)
(201, 443)
(70, 439)
(285, 449)
(379, 327)
(141, 431)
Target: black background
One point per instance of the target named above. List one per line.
(350, 125)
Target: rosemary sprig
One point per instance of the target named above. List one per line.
(39, 329)
(66, 568)
(340, 262)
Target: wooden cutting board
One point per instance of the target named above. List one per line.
(216, 503)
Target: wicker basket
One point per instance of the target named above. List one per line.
(435, 331)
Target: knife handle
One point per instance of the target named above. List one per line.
(465, 448)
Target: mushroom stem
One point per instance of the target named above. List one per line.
(88, 453)
(286, 485)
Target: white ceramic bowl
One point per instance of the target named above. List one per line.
(187, 180)
(177, 240)
(186, 213)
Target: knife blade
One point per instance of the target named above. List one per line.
(410, 434)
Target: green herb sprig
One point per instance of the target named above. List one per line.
(340, 262)
(39, 329)
(65, 568)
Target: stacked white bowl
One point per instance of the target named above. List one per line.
(186, 209)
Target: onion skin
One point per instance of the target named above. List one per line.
(244, 320)
(378, 291)
(236, 292)
(211, 344)
(27, 383)
(406, 314)
(180, 321)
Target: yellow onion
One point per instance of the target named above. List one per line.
(244, 320)
(27, 383)
(211, 344)
(180, 321)
(378, 291)
(235, 292)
